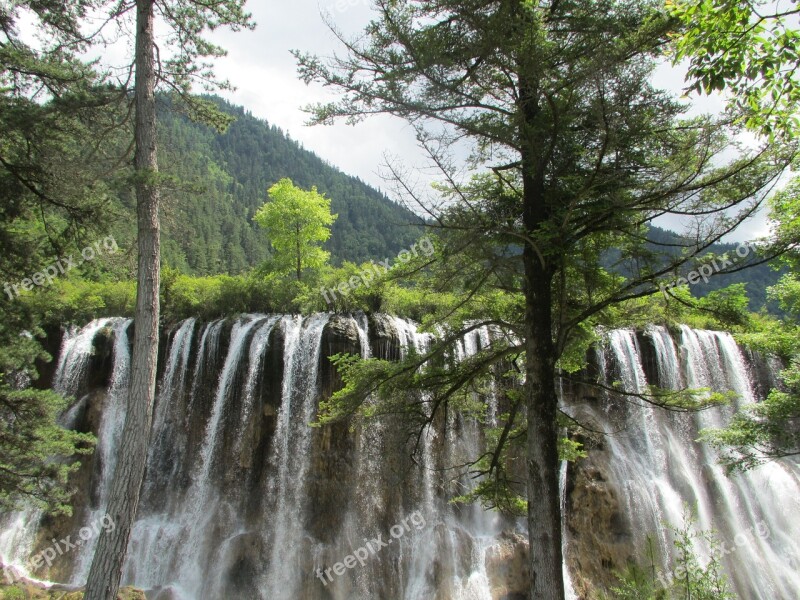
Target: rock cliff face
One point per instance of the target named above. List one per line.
(243, 498)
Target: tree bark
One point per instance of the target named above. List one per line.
(540, 265)
(544, 509)
(106, 569)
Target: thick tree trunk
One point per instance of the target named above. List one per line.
(106, 570)
(544, 509)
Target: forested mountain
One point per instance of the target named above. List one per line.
(221, 179)
(756, 278)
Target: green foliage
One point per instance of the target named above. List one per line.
(749, 48)
(217, 296)
(693, 580)
(208, 218)
(785, 220)
(722, 309)
(639, 583)
(762, 432)
(14, 593)
(570, 450)
(54, 146)
(688, 579)
(297, 223)
(74, 300)
(35, 452)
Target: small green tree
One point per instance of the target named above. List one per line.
(689, 580)
(297, 221)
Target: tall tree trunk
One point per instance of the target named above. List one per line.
(106, 570)
(544, 507)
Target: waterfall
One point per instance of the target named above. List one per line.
(291, 452)
(767, 497)
(368, 502)
(244, 499)
(201, 505)
(73, 358)
(169, 411)
(258, 349)
(665, 469)
(108, 437)
(569, 589)
(18, 529)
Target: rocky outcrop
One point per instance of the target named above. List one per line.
(600, 543)
(508, 567)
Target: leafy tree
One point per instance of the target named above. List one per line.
(577, 152)
(750, 48)
(297, 223)
(31, 445)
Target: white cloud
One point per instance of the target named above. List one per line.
(264, 73)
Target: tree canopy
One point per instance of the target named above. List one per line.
(297, 222)
(750, 48)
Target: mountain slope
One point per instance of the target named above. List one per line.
(224, 178)
(756, 278)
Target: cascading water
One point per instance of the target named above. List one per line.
(291, 452)
(662, 470)
(108, 437)
(17, 530)
(73, 358)
(768, 497)
(243, 499)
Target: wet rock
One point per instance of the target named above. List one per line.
(600, 542)
(507, 567)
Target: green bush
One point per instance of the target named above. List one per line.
(13, 593)
(688, 579)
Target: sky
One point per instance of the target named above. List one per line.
(264, 74)
(260, 66)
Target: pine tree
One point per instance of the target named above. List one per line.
(51, 199)
(188, 20)
(577, 152)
